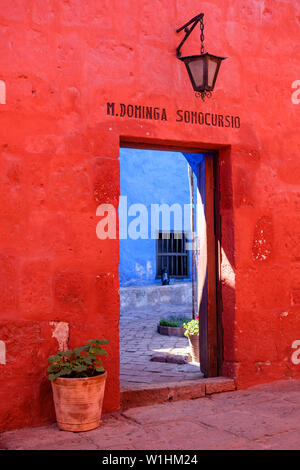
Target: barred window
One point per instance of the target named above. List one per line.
(171, 253)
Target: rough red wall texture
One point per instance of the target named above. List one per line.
(62, 61)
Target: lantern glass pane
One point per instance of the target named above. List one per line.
(197, 71)
(212, 67)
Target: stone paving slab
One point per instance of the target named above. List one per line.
(259, 418)
(140, 341)
(145, 394)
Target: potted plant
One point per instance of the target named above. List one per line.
(172, 326)
(78, 383)
(192, 333)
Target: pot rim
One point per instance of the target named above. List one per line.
(70, 379)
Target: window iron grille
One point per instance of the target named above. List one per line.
(171, 253)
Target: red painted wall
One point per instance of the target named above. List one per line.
(62, 61)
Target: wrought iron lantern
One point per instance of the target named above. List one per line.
(203, 69)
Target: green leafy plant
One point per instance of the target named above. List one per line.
(174, 321)
(191, 327)
(79, 362)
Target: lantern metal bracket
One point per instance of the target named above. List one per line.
(193, 22)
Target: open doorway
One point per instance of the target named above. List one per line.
(167, 216)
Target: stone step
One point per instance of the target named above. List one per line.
(143, 394)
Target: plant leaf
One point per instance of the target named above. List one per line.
(97, 350)
(78, 351)
(97, 342)
(65, 371)
(53, 376)
(52, 368)
(68, 353)
(80, 368)
(54, 358)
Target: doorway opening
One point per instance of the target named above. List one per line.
(168, 265)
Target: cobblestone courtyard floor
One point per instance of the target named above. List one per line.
(140, 341)
(259, 418)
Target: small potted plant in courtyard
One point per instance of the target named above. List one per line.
(78, 383)
(172, 325)
(192, 333)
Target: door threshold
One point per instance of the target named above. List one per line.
(144, 394)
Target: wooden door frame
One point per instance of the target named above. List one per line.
(213, 340)
(210, 309)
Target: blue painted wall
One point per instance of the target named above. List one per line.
(149, 177)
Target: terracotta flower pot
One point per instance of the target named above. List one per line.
(78, 402)
(170, 330)
(194, 346)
